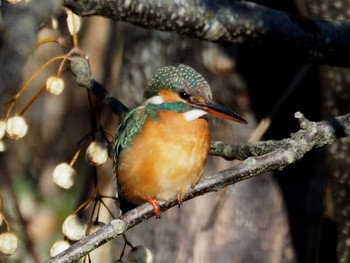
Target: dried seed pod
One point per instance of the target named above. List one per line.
(16, 127)
(8, 243)
(63, 175)
(96, 153)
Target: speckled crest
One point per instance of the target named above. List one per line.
(178, 77)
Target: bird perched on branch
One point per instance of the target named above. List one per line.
(161, 147)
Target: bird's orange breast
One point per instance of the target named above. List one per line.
(165, 159)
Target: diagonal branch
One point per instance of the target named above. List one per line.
(285, 152)
(80, 67)
(231, 21)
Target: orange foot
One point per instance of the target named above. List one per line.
(179, 200)
(156, 208)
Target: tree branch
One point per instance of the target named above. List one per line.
(231, 21)
(280, 154)
(81, 69)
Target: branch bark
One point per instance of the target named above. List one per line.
(280, 154)
(309, 130)
(237, 22)
(79, 66)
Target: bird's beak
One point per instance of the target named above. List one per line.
(219, 110)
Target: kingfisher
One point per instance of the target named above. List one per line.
(161, 147)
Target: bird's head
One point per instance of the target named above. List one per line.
(181, 83)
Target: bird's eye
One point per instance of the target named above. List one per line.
(184, 95)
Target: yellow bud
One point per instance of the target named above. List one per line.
(63, 175)
(73, 228)
(58, 247)
(8, 243)
(140, 254)
(54, 85)
(96, 153)
(16, 127)
(73, 25)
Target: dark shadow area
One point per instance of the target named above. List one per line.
(268, 72)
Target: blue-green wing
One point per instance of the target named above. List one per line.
(128, 129)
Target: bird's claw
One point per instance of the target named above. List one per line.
(179, 200)
(156, 208)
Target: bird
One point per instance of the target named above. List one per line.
(161, 147)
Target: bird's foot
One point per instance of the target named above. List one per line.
(156, 207)
(179, 200)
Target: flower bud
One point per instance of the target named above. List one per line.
(16, 127)
(54, 85)
(63, 175)
(96, 153)
(8, 243)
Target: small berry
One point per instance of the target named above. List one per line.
(58, 247)
(54, 85)
(16, 127)
(140, 254)
(96, 153)
(63, 175)
(73, 228)
(8, 243)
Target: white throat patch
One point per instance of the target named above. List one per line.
(193, 114)
(154, 100)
